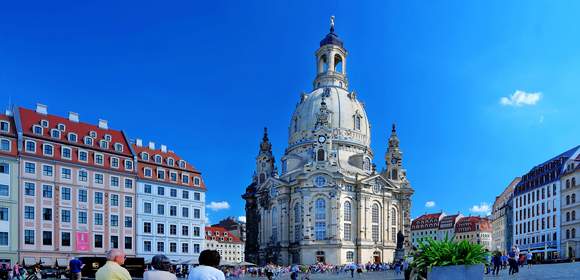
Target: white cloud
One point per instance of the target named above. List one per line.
(482, 208)
(521, 98)
(242, 219)
(217, 206)
(430, 204)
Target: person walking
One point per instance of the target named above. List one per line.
(496, 260)
(529, 257)
(113, 270)
(161, 266)
(75, 267)
(209, 260)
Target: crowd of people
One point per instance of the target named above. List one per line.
(161, 268)
(512, 261)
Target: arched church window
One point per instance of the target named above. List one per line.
(274, 224)
(347, 211)
(375, 221)
(262, 178)
(394, 175)
(320, 155)
(295, 124)
(347, 208)
(393, 217)
(356, 120)
(297, 222)
(320, 219)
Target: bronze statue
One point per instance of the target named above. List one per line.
(400, 240)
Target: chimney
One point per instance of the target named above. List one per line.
(9, 113)
(151, 145)
(73, 117)
(164, 148)
(103, 124)
(139, 142)
(41, 109)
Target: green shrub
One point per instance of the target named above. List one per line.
(446, 252)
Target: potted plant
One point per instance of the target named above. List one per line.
(447, 259)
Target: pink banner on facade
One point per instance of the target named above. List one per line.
(82, 241)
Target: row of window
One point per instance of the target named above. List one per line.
(537, 238)
(82, 155)
(571, 199)
(147, 188)
(65, 239)
(147, 209)
(72, 137)
(172, 247)
(534, 225)
(534, 196)
(159, 160)
(82, 175)
(532, 212)
(173, 176)
(82, 217)
(570, 183)
(82, 194)
(147, 228)
(571, 233)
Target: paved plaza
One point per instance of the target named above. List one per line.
(543, 271)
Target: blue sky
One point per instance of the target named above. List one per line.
(206, 77)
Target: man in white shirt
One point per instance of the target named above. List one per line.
(208, 261)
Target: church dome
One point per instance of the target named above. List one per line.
(331, 39)
(348, 120)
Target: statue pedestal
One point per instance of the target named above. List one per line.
(399, 255)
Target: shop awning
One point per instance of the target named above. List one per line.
(60, 262)
(44, 261)
(29, 261)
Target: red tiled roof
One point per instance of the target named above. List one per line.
(467, 224)
(11, 135)
(29, 118)
(164, 164)
(221, 230)
(426, 221)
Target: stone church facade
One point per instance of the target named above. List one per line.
(328, 203)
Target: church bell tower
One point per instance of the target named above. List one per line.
(265, 162)
(331, 61)
(394, 158)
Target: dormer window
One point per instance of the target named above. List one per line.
(72, 137)
(93, 134)
(144, 156)
(61, 127)
(4, 126)
(55, 133)
(44, 123)
(147, 172)
(99, 159)
(104, 144)
(37, 129)
(128, 164)
(160, 174)
(185, 179)
(118, 147)
(170, 162)
(108, 137)
(196, 181)
(182, 164)
(173, 176)
(158, 159)
(88, 141)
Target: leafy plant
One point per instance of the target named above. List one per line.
(446, 252)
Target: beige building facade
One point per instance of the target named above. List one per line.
(570, 182)
(501, 235)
